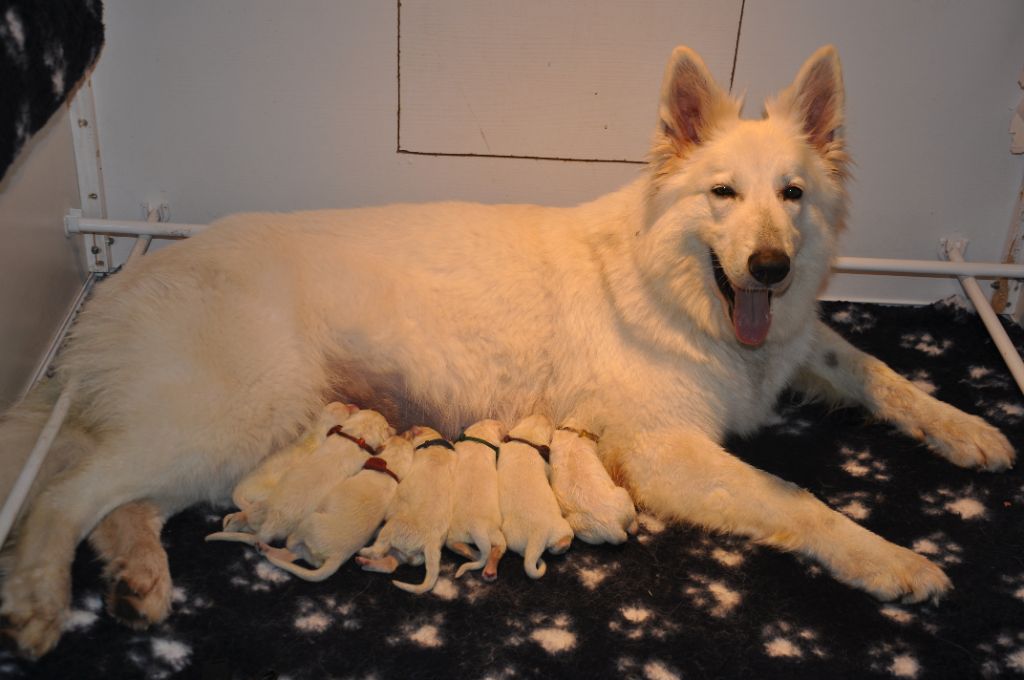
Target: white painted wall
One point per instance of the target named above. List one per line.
(41, 271)
(261, 105)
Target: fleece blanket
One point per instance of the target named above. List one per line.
(46, 46)
(674, 602)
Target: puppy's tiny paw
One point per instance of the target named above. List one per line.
(235, 521)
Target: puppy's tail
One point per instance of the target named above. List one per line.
(321, 573)
(20, 428)
(532, 563)
(432, 561)
(483, 544)
(235, 536)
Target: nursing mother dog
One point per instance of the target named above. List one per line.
(664, 315)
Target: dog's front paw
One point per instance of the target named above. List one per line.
(891, 572)
(140, 589)
(35, 605)
(969, 441)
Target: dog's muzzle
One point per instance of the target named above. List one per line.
(750, 309)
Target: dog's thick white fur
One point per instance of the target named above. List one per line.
(257, 486)
(418, 518)
(531, 520)
(609, 312)
(476, 513)
(597, 510)
(346, 520)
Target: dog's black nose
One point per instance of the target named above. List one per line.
(768, 266)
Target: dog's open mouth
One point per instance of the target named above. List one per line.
(750, 309)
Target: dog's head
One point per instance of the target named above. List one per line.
(743, 215)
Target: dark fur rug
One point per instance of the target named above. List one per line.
(675, 602)
(46, 47)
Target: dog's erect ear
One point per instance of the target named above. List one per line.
(816, 98)
(691, 102)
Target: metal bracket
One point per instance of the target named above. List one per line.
(952, 244)
(90, 175)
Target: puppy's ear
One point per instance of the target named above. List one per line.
(816, 99)
(691, 102)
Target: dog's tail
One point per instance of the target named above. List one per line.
(432, 561)
(20, 428)
(321, 573)
(532, 563)
(236, 536)
(483, 544)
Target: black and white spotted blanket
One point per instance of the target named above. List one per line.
(46, 46)
(675, 602)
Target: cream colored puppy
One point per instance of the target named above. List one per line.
(418, 518)
(258, 484)
(349, 515)
(597, 510)
(304, 485)
(476, 511)
(530, 518)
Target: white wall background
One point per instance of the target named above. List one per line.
(215, 107)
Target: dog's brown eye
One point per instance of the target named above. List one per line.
(792, 193)
(723, 191)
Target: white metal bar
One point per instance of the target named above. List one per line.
(12, 505)
(954, 251)
(76, 223)
(873, 265)
(58, 338)
(140, 248)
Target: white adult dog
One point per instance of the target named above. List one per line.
(664, 314)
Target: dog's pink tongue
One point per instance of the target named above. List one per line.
(752, 315)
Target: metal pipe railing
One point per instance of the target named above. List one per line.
(954, 251)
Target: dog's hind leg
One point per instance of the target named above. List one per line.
(682, 474)
(128, 541)
(37, 591)
(838, 372)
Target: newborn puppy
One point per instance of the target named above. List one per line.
(530, 518)
(596, 509)
(418, 518)
(346, 520)
(257, 485)
(476, 513)
(305, 484)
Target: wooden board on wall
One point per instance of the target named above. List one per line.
(536, 78)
